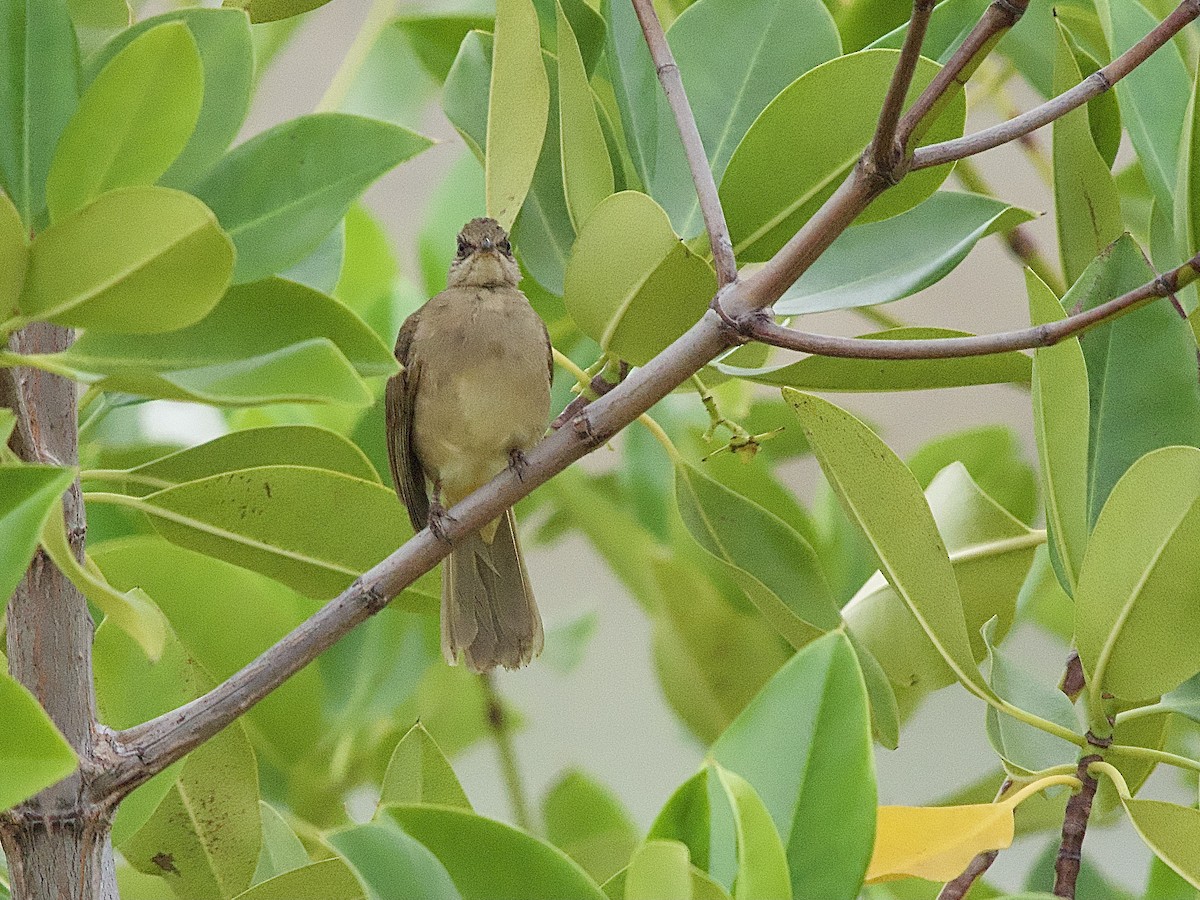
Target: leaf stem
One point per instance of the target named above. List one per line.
(498, 724)
(44, 361)
(1114, 775)
(1040, 785)
(1162, 756)
(124, 475)
(1139, 712)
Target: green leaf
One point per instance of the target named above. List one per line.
(995, 458)
(436, 35)
(763, 47)
(827, 373)
(132, 122)
(1142, 380)
(659, 291)
(1163, 883)
(1140, 579)
(1023, 748)
(812, 763)
(1087, 209)
(227, 54)
(659, 869)
(1172, 832)
(762, 866)
(518, 109)
(329, 879)
(39, 88)
(567, 643)
(488, 859)
(1187, 191)
(884, 499)
(157, 243)
(884, 261)
(305, 174)
(778, 569)
(991, 553)
(322, 268)
(419, 772)
(390, 863)
(1060, 424)
(28, 494)
(588, 823)
(587, 169)
(33, 755)
(687, 818)
(634, 83)
(14, 256)
(785, 168)
(274, 10)
(371, 91)
(281, 849)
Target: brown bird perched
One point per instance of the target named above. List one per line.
(472, 396)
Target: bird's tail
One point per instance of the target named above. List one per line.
(488, 611)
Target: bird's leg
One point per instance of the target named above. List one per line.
(517, 462)
(439, 518)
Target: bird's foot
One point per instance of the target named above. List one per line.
(517, 462)
(439, 521)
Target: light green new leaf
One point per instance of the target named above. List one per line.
(1140, 581)
(392, 865)
(588, 823)
(132, 122)
(884, 261)
(419, 772)
(14, 256)
(703, 886)
(109, 266)
(1087, 209)
(804, 743)
(281, 848)
(687, 817)
(227, 54)
(659, 291)
(33, 754)
(587, 169)
(488, 859)
(1060, 424)
(518, 109)
(39, 76)
(280, 193)
(1172, 832)
(885, 500)
(991, 553)
(828, 373)
(329, 879)
(762, 872)
(28, 495)
(659, 869)
(805, 142)
(274, 10)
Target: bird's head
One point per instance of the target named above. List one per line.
(484, 256)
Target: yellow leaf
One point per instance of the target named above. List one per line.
(936, 842)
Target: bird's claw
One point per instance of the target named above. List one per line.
(517, 462)
(440, 521)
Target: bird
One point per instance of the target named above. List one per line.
(471, 396)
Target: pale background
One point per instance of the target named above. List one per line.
(609, 717)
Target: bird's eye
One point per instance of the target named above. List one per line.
(505, 247)
(463, 249)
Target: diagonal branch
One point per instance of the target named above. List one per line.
(1057, 107)
(693, 147)
(761, 327)
(883, 151)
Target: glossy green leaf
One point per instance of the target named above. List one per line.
(39, 76)
(132, 122)
(1184, 700)
(995, 458)
(322, 268)
(787, 165)
(991, 553)
(227, 54)
(1087, 209)
(885, 710)
(687, 817)
(884, 499)
(488, 859)
(827, 373)
(419, 772)
(390, 863)
(1164, 883)
(661, 289)
(1172, 832)
(281, 849)
(587, 169)
(14, 256)
(435, 36)
(1060, 424)
(635, 85)
(812, 763)
(33, 754)
(659, 869)
(28, 494)
(763, 47)
(1142, 380)
(152, 242)
(948, 23)
(274, 10)
(305, 174)
(1023, 748)
(778, 569)
(518, 109)
(1140, 579)
(329, 879)
(762, 872)
(588, 823)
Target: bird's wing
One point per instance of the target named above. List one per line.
(399, 402)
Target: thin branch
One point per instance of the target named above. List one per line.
(761, 327)
(693, 147)
(598, 387)
(961, 886)
(501, 730)
(884, 152)
(1057, 107)
(1075, 822)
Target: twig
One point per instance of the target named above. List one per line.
(1057, 107)
(885, 151)
(599, 386)
(761, 327)
(693, 147)
(1070, 852)
(961, 886)
(498, 725)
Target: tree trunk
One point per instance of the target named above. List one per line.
(57, 843)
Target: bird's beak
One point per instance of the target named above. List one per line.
(487, 245)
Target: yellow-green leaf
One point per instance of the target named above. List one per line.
(419, 772)
(14, 256)
(659, 869)
(33, 755)
(1172, 832)
(762, 863)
